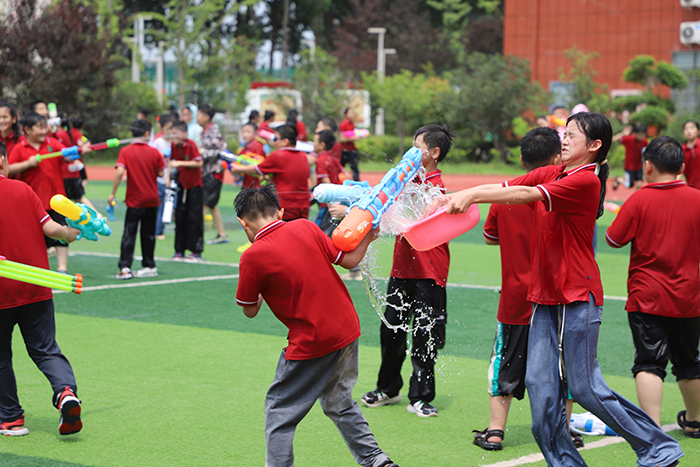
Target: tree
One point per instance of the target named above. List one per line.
(582, 76)
(492, 90)
(645, 70)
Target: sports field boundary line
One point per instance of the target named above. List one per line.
(139, 258)
(609, 441)
(150, 283)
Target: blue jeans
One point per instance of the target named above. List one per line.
(547, 388)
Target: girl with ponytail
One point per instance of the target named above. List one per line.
(567, 296)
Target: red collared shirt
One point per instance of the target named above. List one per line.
(45, 179)
(662, 221)
(564, 269)
(188, 177)
(22, 216)
(692, 164)
(291, 265)
(254, 147)
(431, 264)
(290, 173)
(142, 163)
(511, 227)
(9, 141)
(347, 125)
(65, 139)
(633, 151)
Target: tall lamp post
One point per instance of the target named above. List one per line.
(381, 70)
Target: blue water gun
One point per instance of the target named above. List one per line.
(71, 153)
(81, 217)
(366, 212)
(349, 192)
(110, 209)
(227, 158)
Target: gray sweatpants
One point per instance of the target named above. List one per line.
(295, 389)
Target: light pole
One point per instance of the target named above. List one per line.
(381, 70)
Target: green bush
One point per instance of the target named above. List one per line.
(616, 156)
(651, 115)
(381, 148)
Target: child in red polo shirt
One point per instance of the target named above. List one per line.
(336, 150)
(691, 153)
(416, 290)
(144, 164)
(634, 145)
(289, 169)
(252, 146)
(9, 125)
(663, 307)
(567, 297)
(328, 170)
(349, 153)
(24, 222)
(45, 178)
(189, 214)
(510, 227)
(290, 266)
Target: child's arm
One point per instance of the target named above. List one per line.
(117, 180)
(625, 132)
(243, 169)
(352, 258)
(19, 167)
(187, 164)
(60, 232)
(461, 200)
(252, 311)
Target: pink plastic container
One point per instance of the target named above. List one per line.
(441, 227)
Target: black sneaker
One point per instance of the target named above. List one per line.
(422, 409)
(377, 398)
(69, 406)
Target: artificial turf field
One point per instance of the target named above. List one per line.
(172, 374)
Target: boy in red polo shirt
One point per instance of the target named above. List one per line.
(634, 145)
(45, 178)
(328, 170)
(289, 169)
(24, 221)
(663, 307)
(416, 290)
(321, 360)
(144, 165)
(189, 214)
(336, 150)
(567, 297)
(510, 227)
(347, 143)
(252, 146)
(691, 153)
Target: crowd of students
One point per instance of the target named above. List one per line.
(551, 302)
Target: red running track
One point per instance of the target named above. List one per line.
(454, 182)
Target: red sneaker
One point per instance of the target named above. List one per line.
(15, 428)
(69, 406)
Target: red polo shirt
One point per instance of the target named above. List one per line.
(291, 265)
(692, 164)
(45, 179)
(662, 221)
(142, 163)
(290, 173)
(347, 125)
(65, 139)
(431, 264)
(9, 141)
(511, 226)
(301, 131)
(254, 147)
(328, 167)
(22, 216)
(187, 151)
(633, 151)
(337, 152)
(563, 262)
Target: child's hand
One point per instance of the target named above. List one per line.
(111, 199)
(173, 164)
(459, 202)
(628, 130)
(86, 148)
(72, 234)
(337, 210)
(33, 162)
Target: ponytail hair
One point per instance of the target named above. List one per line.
(597, 127)
(13, 114)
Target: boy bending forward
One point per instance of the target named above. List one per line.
(321, 361)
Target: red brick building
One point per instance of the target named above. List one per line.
(540, 31)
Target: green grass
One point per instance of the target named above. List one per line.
(175, 375)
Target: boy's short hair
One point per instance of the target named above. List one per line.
(33, 105)
(437, 136)
(253, 203)
(252, 124)
(326, 137)
(666, 154)
(639, 128)
(287, 132)
(30, 119)
(330, 123)
(166, 118)
(140, 127)
(180, 125)
(3, 149)
(207, 109)
(539, 146)
(144, 111)
(78, 123)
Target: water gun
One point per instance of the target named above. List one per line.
(556, 121)
(81, 217)
(53, 120)
(40, 276)
(110, 209)
(612, 207)
(227, 158)
(349, 192)
(366, 212)
(169, 203)
(266, 135)
(73, 153)
(589, 424)
(358, 132)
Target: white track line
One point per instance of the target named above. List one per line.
(608, 441)
(149, 283)
(138, 258)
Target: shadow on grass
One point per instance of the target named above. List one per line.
(13, 460)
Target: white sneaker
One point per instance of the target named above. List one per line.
(124, 274)
(422, 409)
(147, 272)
